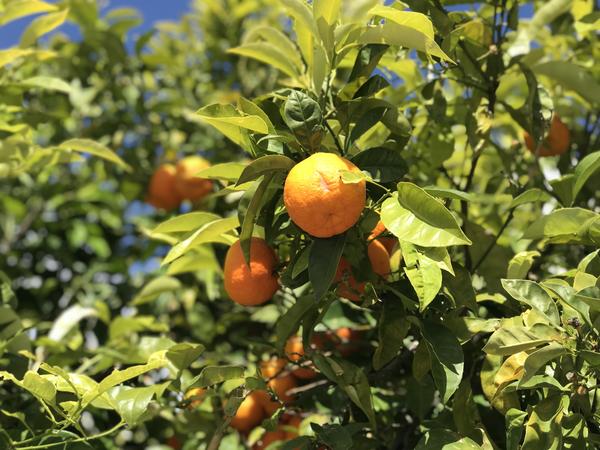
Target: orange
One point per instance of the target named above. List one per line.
(249, 414)
(347, 338)
(195, 396)
(161, 189)
(273, 367)
(294, 350)
(268, 405)
(255, 284)
(187, 184)
(351, 289)
(555, 143)
(388, 242)
(268, 438)
(379, 258)
(292, 426)
(316, 198)
(281, 385)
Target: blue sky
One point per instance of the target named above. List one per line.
(152, 11)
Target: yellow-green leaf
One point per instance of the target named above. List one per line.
(94, 148)
(42, 25)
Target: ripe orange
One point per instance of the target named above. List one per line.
(195, 396)
(316, 198)
(294, 350)
(255, 284)
(268, 438)
(249, 414)
(268, 405)
(379, 258)
(161, 189)
(351, 289)
(187, 184)
(273, 367)
(555, 143)
(292, 426)
(281, 385)
(346, 340)
(388, 242)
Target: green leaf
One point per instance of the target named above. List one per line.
(440, 439)
(232, 123)
(513, 339)
(540, 358)
(250, 215)
(323, 261)
(349, 177)
(366, 61)
(414, 216)
(423, 272)
(383, 164)
(289, 322)
(520, 264)
(328, 10)
(584, 170)
(279, 40)
(572, 77)
(543, 430)
(94, 148)
(265, 165)
(184, 354)
(326, 13)
(156, 287)
(120, 376)
(42, 25)
(447, 359)
(460, 287)
(269, 54)
(351, 379)
(185, 223)
(230, 171)
(303, 116)
(212, 375)
(16, 9)
(39, 387)
(405, 28)
(532, 294)
(392, 330)
(48, 83)
(563, 188)
(534, 195)
(561, 226)
(132, 403)
(515, 420)
(215, 231)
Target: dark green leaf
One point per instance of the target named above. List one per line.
(265, 165)
(323, 261)
(447, 359)
(383, 164)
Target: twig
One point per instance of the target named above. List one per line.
(335, 138)
(308, 387)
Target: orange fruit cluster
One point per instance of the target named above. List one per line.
(556, 142)
(378, 251)
(171, 184)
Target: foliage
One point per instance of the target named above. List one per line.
(484, 335)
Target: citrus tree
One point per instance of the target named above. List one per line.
(383, 227)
